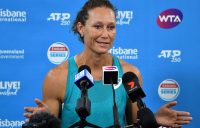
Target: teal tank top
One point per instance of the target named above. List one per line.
(101, 98)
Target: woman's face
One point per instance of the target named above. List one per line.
(99, 30)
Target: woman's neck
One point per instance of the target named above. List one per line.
(96, 61)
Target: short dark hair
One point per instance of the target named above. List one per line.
(43, 120)
(82, 15)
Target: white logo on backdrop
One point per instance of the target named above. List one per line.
(63, 18)
(58, 52)
(124, 17)
(7, 15)
(116, 86)
(124, 53)
(169, 18)
(168, 90)
(8, 88)
(5, 123)
(173, 55)
(12, 54)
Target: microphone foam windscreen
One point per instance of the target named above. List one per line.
(128, 76)
(82, 67)
(147, 118)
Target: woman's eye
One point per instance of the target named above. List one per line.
(98, 26)
(111, 27)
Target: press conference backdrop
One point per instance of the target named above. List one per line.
(160, 37)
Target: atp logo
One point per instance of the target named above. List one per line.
(170, 18)
(173, 55)
(63, 18)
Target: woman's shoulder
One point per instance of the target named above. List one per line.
(54, 84)
(56, 77)
(59, 71)
(130, 68)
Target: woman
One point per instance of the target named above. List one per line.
(96, 26)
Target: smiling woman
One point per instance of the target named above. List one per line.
(99, 30)
(95, 25)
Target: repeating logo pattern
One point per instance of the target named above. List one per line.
(173, 55)
(124, 53)
(168, 90)
(124, 17)
(5, 123)
(58, 52)
(12, 53)
(9, 88)
(7, 15)
(169, 18)
(63, 18)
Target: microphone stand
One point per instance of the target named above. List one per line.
(145, 117)
(83, 109)
(140, 103)
(143, 114)
(115, 110)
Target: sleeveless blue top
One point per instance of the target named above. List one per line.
(101, 98)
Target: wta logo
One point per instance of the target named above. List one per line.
(170, 18)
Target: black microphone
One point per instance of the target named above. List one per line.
(135, 93)
(132, 87)
(42, 120)
(110, 77)
(83, 77)
(83, 80)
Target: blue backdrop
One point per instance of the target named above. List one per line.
(159, 37)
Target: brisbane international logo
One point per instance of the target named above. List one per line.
(170, 18)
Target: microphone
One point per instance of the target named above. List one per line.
(135, 93)
(132, 86)
(84, 81)
(84, 78)
(42, 120)
(110, 76)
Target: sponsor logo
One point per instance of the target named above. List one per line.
(131, 84)
(5, 123)
(110, 67)
(58, 52)
(116, 86)
(12, 54)
(172, 55)
(9, 88)
(124, 53)
(7, 15)
(168, 90)
(79, 75)
(170, 18)
(63, 18)
(124, 17)
(89, 75)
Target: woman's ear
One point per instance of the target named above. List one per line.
(80, 28)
